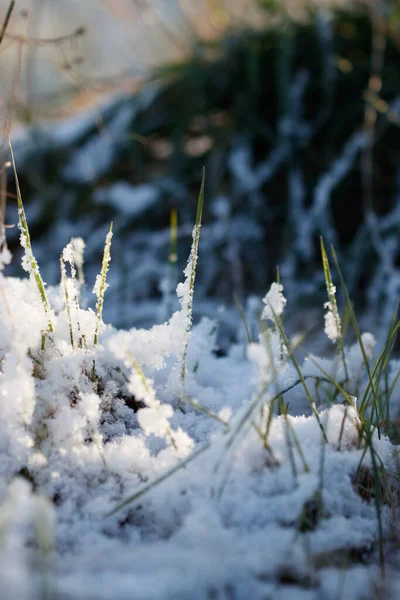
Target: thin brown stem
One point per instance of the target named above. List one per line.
(6, 20)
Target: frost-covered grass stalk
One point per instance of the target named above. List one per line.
(190, 277)
(275, 303)
(172, 263)
(291, 437)
(370, 397)
(243, 317)
(64, 284)
(333, 326)
(73, 254)
(373, 404)
(101, 284)
(29, 262)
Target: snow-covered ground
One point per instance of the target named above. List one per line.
(143, 464)
(132, 469)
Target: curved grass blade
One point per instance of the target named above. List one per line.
(356, 328)
(158, 480)
(243, 317)
(67, 299)
(26, 244)
(299, 372)
(330, 288)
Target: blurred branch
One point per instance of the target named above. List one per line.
(3, 175)
(7, 20)
(56, 41)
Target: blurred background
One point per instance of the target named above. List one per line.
(292, 106)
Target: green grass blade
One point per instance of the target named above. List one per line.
(355, 324)
(378, 370)
(67, 299)
(328, 377)
(243, 317)
(294, 437)
(72, 255)
(331, 291)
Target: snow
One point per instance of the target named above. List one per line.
(332, 324)
(5, 257)
(245, 511)
(274, 301)
(126, 199)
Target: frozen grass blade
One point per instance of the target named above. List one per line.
(234, 434)
(329, 378)
(290, 433)
(356, 328)
(380, 370)
(291, 438)
(147, 488)
(295, 438)
(68, 256)
(378, 487)
(191, 273)
(332, 307)
(139, 371)
(299, 372)
(202, 409)
(77, 254)
(26, 244)
(79, 246)
(67, 299)
(101, 285)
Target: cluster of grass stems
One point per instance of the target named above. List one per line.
(372, 409)
(34, 270)
(373, 401)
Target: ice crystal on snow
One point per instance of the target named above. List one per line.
(275, 302)
(331, 328)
